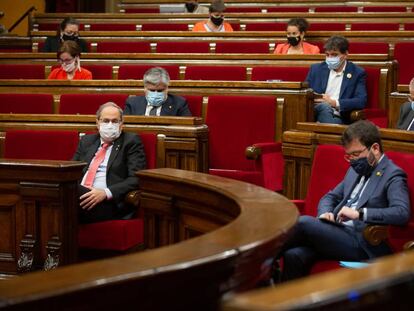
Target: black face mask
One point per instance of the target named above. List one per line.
(217, 20)
(293, 41)
(362, 167)
(191, 6)
(72, 37)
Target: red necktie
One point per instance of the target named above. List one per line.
(93, 167)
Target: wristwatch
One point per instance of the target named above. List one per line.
(361, 214)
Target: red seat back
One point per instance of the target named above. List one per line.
(183, 47)
(22, 71)
(338, 8)
(26, 103)
(409, 26)
(195, 104)
(299, 9)
(368, 48)
(88, 103)
(164, 27)
(123, 47)
(40, 145)
(113, 27)
(236, 122)
(372, 83)
(149, 140)
(327, 26)
(100, 72)
(242, 47)
(137, 71)
(282, 73)
(143, 10)
(266, 27)
(375, 26)
(243, 10)
(221, 73)
(402, 53)
(235, 26)
(384, 9)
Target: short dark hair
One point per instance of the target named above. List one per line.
(217, 6)
(364, 131)
(70, 47)
(301, 23)
(338, 43)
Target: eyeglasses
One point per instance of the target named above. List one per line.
(66, 61)
(114, 121)
(348, 156)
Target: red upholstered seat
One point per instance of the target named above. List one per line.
(299, 9)
(384, 9)
(265, 26)
(237, 122)
(262, 73)
(409, 26)
(48, 26)
(40, 145)
(113, 27)
(402, 53)
(327, 26)
(123, 47)
(22, 71)
(183, 47)
(88, 103)
(338, 8)
(243, 10)
(235, 26)
(368, 48)
(195, 104)
(100, 72)
(164, 27)
(375, 26)
(119, 235)
(137, 71)
(222, 73)
(143, 10)
(26, 103)
(247, 47)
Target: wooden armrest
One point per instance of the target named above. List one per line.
(255, 151)
(358, 115)
(375, 234)
(132, 198)
(409, 246)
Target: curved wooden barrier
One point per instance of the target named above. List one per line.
(246, 227)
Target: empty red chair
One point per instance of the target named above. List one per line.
(402, 53)
(164, 27)
(143, 10)
(183, 47)
(238, 122)
(48, 26)
(368, 48)
(384, 9)
(26, 103)
(235, 26)
(243, 10)
(113, 27)
(227, 47)
(222, 73)
(409, 26)
(375, 26)
(195, 104)
(299, 9)
(336, 9)
(327, 26)
(123, 47)
(22, 71)
(266, 27)
(120, 235)
(88, 103)
(282, 73)
(40, 145)
(99, 72)
(137, 71)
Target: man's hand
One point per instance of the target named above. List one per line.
(326, 99)
(328, 216)
(347, 213)
(90, 199)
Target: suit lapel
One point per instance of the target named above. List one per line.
(116, 147)
(167, 107)
(408, 119)
(94, 147)
(325, 77)
(345, 79)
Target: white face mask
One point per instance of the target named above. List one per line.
(109, 131)
(69, 67)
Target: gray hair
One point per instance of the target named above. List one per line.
(109, 104)
(156, 75)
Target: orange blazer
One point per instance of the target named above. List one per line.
(200, 27)
(308, 48)
(60, 74)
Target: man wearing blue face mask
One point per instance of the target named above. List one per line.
(157, 101)
(374, 190)
(406, 118)
(340, 82)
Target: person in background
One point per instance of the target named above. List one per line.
(216, 22)
(406, 118)
(69, 58)
(296, 29)
(340, 84)
(192, 6)
(157, 101)
(113, 158)
(68, 30)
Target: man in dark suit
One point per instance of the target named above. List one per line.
(373, 191)
(340, 83)
(406, 118)
(157, 101)
(113, 158)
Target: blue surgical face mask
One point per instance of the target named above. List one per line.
(333, 62)
(412, 105)
(155, 98)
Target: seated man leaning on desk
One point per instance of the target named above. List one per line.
(374, 190)
(341, 83)
(113, 158)
(406, 118)
(157, 101)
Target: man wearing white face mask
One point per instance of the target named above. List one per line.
(157, 101)
(113, 157)
(340, 82)
(406, 118)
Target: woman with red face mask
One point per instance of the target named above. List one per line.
(216, 21)
(69, 57)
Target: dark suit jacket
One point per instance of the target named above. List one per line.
(173, 106)
(52, 45)
(127, 157)
(406, 116)
(385, 198)
(353, 93)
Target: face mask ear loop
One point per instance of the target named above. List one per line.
(78, 60)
